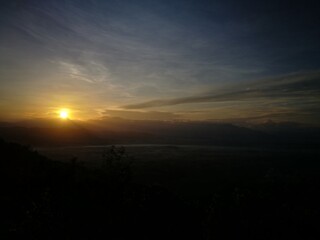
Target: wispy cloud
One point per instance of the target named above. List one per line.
(141, 115)
(90, 72)
(117, 53)
(294, 86)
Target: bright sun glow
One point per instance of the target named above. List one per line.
(64, 114)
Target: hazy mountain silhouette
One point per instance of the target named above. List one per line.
(48, 132)
(115, 130)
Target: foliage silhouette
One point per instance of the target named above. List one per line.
(117, 164)
(42, 200)
(45, 199)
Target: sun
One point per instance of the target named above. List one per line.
(64, 114)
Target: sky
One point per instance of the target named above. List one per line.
(223, 60)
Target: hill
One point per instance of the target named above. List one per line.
(44, 132)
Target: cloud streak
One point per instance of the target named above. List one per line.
(139, 115)
(98, 55)
(293, 86)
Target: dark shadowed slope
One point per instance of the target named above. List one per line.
(43, 199)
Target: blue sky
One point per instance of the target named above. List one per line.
(191, 60)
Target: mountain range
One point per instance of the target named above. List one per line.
(56, 132)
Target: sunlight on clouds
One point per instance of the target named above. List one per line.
(151, 61)
(90, 72)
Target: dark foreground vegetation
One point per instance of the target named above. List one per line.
(45, 199)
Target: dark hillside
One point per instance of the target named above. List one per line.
(45, 199)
